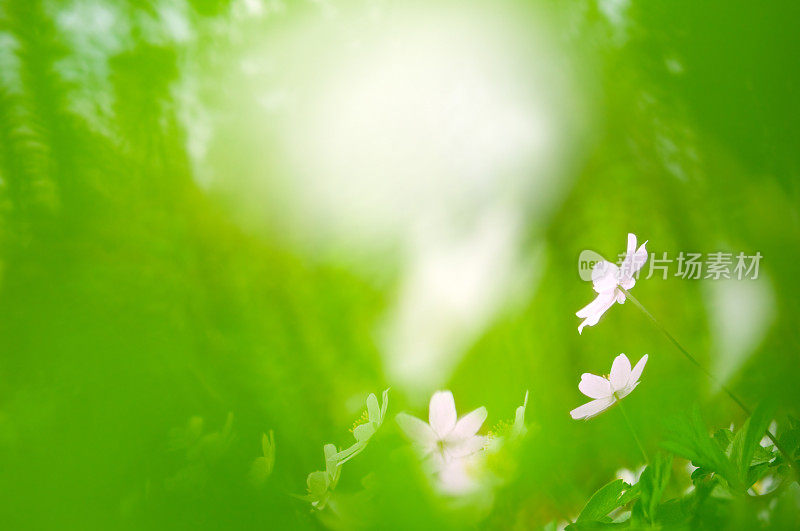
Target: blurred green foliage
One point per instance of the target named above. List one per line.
(147, 341)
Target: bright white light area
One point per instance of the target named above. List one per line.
(417, 115)
(740, 314)
(435, 132)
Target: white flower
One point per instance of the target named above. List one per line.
(364, 431)
(606, 391)
(322, 482)
(444, 438)
(607, 278)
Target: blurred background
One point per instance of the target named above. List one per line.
(224, 217)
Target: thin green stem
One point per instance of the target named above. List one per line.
(633, 431)
(685, 352)
(711, 377)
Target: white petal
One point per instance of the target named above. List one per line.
(457, 477)
(435, 462)
(631, 244)
(634, 259)
(626, 391)
(465, 447)
(417, 430)
(636, 373)
(469, 424)
(384, 402)
(595, 386)
(518, 428)
(329, 450)
(442, 413)
(595, 309)
(605, 276)
(620, 372)
(373, 411)
(593, 408)
(640, 258)
(363, 432)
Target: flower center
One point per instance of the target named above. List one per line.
(500, 429)
(363, 419)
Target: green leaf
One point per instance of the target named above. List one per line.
(756, 472)
(688, 437)
(632, 493)
(652, 483)
(268, 445)
(675, 512)
(748, 438)
(723, 438)
(762, 455)
(603, 502)
(578, 526)
(790, 440)
(700, 474)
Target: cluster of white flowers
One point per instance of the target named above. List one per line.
(321, 483)
(610, 282)
(451, 449)
(363, 432)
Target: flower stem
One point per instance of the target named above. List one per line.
(711, 377)
(685, 352)
(633, 432)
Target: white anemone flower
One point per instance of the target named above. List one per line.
(322, 482)
(366, 427)
(607, 391)
(445, 437)
(607, 278)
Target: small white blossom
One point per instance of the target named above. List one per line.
(363, 432)
(607, 391)
(444, 438)
(322, 482)
(607, 278)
